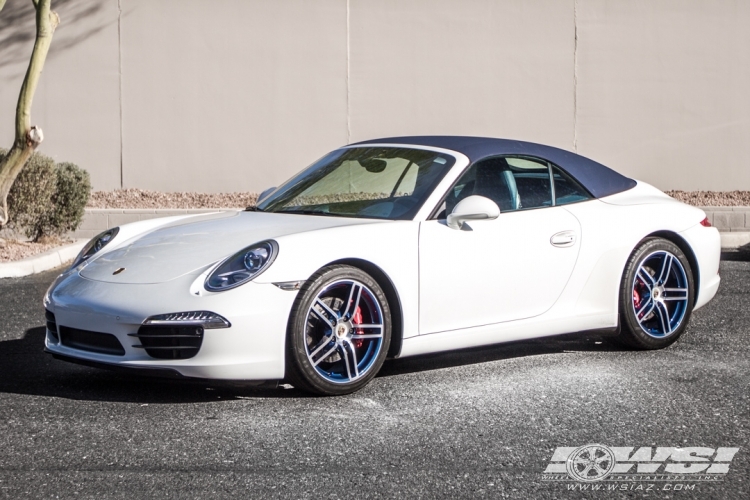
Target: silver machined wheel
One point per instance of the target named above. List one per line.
(660, 294)
(344, 331)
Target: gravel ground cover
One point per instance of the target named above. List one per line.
(713, 198)
(11, 250)
(141, 198)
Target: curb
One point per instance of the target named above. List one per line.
(42, 262)
(734, 241)
(729, 219)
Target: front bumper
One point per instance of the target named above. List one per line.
(251, 349)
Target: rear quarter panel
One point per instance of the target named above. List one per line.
(611, 228)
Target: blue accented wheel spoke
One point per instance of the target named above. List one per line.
(350, 358)
(676, 294)
(646, 278)
(645, 310)
(661, 294)
(332, 316)
(344, 332)
(324, 356)
(325, 341)
(663, 314)
(353, 303)
(665, 268)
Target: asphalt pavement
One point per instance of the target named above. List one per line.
(479, 423)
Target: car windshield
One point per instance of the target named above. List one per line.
(369, 182)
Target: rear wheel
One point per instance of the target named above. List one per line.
(656, 295)
(339, 332)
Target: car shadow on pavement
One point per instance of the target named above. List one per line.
(741, 254)
(26, 369)
(578, 342)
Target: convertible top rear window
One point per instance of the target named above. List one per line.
(369, 182)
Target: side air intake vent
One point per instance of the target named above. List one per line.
(51, 325)
(170, 342)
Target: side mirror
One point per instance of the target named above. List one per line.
(473, 208)
(266, 193)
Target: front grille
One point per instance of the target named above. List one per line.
(170, 342)
(51, 324)
(103, 343)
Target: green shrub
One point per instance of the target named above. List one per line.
(30, 197)
(68, 201)
(47, 199)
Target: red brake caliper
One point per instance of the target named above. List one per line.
(636, 299)
(357, 320)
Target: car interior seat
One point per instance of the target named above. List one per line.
(495, 181)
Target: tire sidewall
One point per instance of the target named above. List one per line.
(299, 369)
(633, 334)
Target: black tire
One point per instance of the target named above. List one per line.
(654, 309)
(310, 337)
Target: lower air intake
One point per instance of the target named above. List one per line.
(51, 325)
(170, 342)
(103, 343)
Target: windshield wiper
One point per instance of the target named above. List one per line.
(307, 212)
(253, 208)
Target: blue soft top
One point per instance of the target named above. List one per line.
(599, 180)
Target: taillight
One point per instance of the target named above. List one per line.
(705, 222)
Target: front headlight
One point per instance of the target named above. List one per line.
(97, 243)
(242, 266)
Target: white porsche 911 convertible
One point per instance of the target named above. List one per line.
(389, 248)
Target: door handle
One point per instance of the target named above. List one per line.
(563, 239)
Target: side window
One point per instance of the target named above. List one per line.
(512, 183)
(567, 190)
(532, 182)
(491, 178)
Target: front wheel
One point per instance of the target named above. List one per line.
(657, 295)
(339, 332)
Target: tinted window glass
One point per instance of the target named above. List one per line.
(532, 181)
(512, 183)
(370, 182)
(567, 190)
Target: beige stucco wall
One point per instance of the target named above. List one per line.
(664, 90)
(77, 103)
(496, 68)
(233, 95)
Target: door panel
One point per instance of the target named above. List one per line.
(500, 270)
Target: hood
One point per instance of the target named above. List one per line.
(190, 245)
